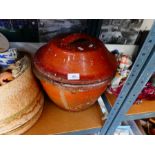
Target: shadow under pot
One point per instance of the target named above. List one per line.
(74, 70)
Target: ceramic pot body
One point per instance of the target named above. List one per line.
(21, 103)
(74, 97)
(74, 70)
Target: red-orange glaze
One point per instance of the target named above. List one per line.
(73, 99)
(57, 59)
(75, 53)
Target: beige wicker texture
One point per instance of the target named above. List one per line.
(21, 103)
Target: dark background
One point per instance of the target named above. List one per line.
(110, 31)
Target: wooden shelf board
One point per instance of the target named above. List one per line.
(142, 108)
(58, 121)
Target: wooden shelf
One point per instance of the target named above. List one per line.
(136, 109)
(58, 121)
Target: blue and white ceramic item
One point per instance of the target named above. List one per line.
(7, 58)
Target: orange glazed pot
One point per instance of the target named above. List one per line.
(74, 70)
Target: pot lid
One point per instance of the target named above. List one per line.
(75, 59)
(4, 43)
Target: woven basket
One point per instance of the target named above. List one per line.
(21, 103)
